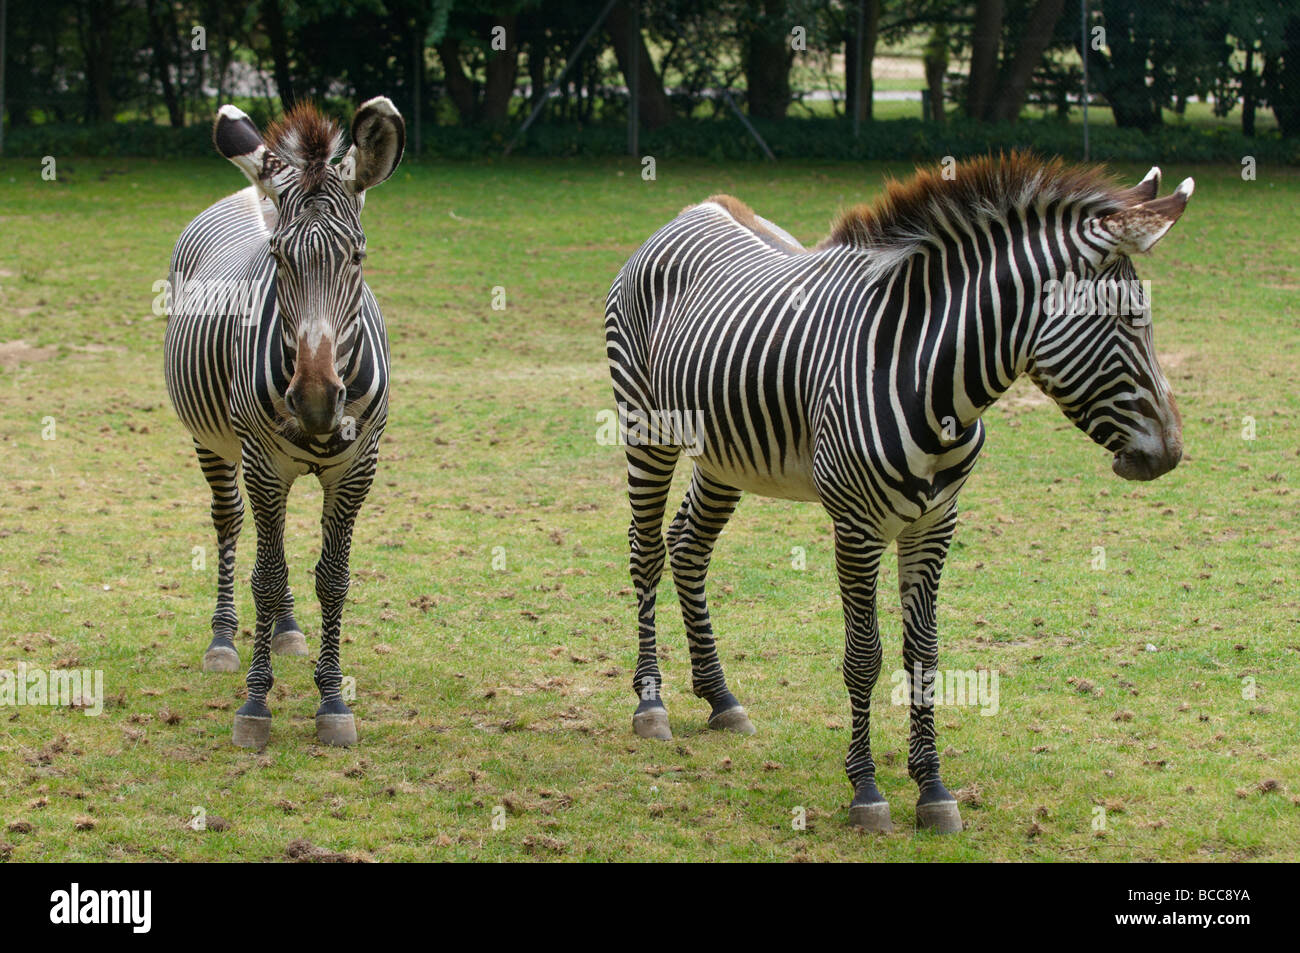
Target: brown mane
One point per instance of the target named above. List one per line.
(990, 186)
(744, 215)
(307, 141)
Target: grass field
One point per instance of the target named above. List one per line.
(489, 693)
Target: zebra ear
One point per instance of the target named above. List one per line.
(1145, 190)
(236, 137)
(1136, 229)
(378, 138)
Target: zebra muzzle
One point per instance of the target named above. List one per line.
(1143, 465)
(318, 407)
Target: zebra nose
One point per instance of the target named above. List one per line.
(317, 406)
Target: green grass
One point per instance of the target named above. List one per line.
(482, 689)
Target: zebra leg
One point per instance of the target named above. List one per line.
(335, 723)
(922, 550)
(268, 494)
(227, 519)
(691, 537)
(287, 638)
(649, 477)
(857, 562)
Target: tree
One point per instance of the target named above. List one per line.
(768, 56)
(1013, 83)
(652, 100)
(986, 36)
(1283, 78)
(935, 59)
(996, 90)
(162, 37)
(860, 98)
(277, 33)
(96, 23)
(481, 39)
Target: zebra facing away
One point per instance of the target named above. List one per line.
(854, 374)
(277, 362)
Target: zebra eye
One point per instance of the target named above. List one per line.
(358, 256)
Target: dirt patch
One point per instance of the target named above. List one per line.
(1023, 393)
(1171, 359)
(304, 851)
(13, 353)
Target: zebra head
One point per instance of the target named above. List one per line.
(1095, 352)
(316, 241)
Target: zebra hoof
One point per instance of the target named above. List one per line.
(942, 817)
(220, 658)
(733, 719)
(873, 817)
(652, 723)
(337, 730)
(251, 731)
(291, 642)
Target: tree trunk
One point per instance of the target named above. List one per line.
(652, 101)
(459, 87)
(97, 46)
(1122, 75)
(502, 69)
(1248, 93)
(273, 20)
(537, 68)
(1038, 34)
(768, 57)
(935, 59)
(1285, 95)
(986, 36)
(162, 60)
(859, 101)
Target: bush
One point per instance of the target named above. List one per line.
(725, 140)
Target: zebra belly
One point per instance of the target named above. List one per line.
(794, 482)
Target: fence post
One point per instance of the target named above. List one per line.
(4, 16)
(634, 81)
(1083, 53)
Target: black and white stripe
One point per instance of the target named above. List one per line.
(285, 375)
(854, 374)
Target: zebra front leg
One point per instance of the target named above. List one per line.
(270, 584)
(857, 563)
(649, 476)
(287, 637)
(691, 538)
(922, 549)
(227, 520)
(335, 723)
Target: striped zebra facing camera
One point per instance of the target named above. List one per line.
(855, 374)
(277, 363)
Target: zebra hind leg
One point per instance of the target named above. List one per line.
(857, 563)
(691, 538)
(227, 519)
(921, 554)
(649, 477)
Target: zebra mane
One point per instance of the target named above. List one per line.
(307, 141)
(929, 205)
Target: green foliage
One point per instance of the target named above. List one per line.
(726, 139)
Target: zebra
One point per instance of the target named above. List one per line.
(283, 371)
(854, 374)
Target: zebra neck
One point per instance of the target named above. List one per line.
(955, 335)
